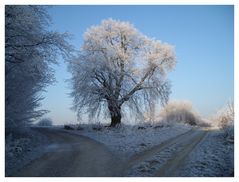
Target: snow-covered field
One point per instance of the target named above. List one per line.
(128, 140)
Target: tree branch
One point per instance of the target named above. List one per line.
(138, 85)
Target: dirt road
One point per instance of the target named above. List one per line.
(167, 158)
(72, 155)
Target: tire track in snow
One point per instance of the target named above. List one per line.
(164, 159)
(176, 162)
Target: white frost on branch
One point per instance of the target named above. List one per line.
(30, 50)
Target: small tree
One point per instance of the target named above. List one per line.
(118, 66)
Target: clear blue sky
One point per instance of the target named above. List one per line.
(202, 35)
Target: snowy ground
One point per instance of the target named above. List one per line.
(214, 156)
(22, 147)
(127, 141)
(28, 144)
(150, 166)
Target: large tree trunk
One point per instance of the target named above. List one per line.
(115, 113)
(115, 120)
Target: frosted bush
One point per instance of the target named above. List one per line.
(224, 117)
(179, 111)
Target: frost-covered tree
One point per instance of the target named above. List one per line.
(45, 122)
(30, 49)
(119, 67)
